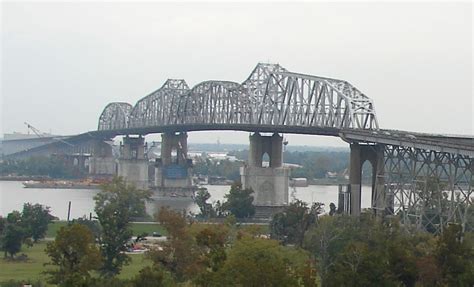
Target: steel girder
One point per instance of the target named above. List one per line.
(426, 189)
(270, 96)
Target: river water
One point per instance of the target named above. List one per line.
(13, 196)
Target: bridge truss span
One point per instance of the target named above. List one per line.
(115, 116)
(426, 189)
(159, 107)
(270, 96)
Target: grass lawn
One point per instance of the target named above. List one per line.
(33, 268)
(137, 228)
(30, 269)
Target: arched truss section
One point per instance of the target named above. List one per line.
(285, 98)
(160, 107)
(114, 116)
(270, 96)
(216, 102)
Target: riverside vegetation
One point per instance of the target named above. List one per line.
(304, 248)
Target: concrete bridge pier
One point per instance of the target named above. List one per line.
(173, 172)
(373, 154)
(270, 184)
(132, 164)
(102, 161)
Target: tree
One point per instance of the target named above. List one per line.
(291, 225)
(256, 262)
(3, 223)
(212, 242)
(201, 200)
(326, 239)
(36, 218)
(239, 201)
(455, 257)
(179, 254)
(75, 254)
(115, 205)
(93, 226)
(14, 234)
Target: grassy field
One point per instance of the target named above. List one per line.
(137, 228)
(33, 268)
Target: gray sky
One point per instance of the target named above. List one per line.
(63, 62)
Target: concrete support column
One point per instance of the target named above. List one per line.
(373, 154)
(102, 161)
(355, 179)
(173, 172)
(276, 151)
(270, 184)
(259, 145)
(255, 150)
(133, 165)
(177, 142)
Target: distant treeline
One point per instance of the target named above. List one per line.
(214, 147)
(39, 166)
(314, 164)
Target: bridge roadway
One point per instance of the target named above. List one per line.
(463, 145)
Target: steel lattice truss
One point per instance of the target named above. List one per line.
(426, 189)
(115, 116)
(271, 96)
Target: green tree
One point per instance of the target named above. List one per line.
(455, 257)
(14, 234)
(179, 254)
(75, 254)
(200, 199)
(115, 205)
(93, 226)
(327, 239)
(239, 201)
(365, 249)
(212, 242)
(35, 218)
(290, 225)
(3, 223)
(256, 262)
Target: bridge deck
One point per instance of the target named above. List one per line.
(452, 144)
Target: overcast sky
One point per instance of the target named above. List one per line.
(63, 62)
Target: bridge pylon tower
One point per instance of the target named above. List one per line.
(173, 171)
(269, 182)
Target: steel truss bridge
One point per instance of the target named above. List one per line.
(424, 179)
